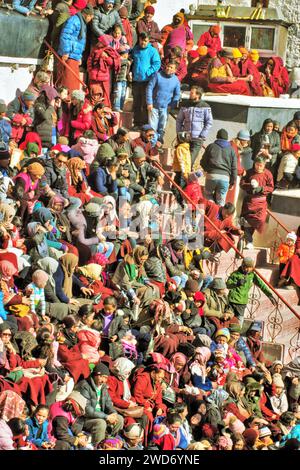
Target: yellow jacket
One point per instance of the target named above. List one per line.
(182, 159)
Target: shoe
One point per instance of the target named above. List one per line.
(249, 246)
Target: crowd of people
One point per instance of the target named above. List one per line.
(113, 335)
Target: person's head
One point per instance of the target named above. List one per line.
(179, 360)
(75, 403)
(41, 413)
(259, 165)
(122, 135)
(71, 323)
(61, 159)
(174, 422)
(5, 333)
(215, 30)
(235, 333)
(277, 126)
(222, 134)
(254, 56)
(270, 64)
(236, 55)
(143, 40)
(117, 31)
(291, 127)
(134, 434)
(268, 126)
(35, 171)
(238, 442)
(191, 287)
(195, 93)
(63, 93)
(139, 156)
(157, 375)
(40, 278)
(171, 67)
(178, 19)
(28, 99)
(248, 265)
(88, 13)
(17, 426)
(108, 5)
(57, 204)
(181, 409)
(149, 13)
(112, 164)
(77, 97)
(288, 419)
(227, 210)
(222, 336)
(176, 53)
(86, 314)
(219, 286)
(244, 137)
(178, 246)
(3, 108)
(278, 384)
(295, 409)
(244, 52)
(100, 374)
(110, 305)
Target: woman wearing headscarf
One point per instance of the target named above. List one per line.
(102, 64)
(291, 271)
(56, 206)
(33, 390)
(77, 182)
(44, 217)
(9, 235)
(10, 296)
(289, 136)
(66, 280)
(36, 243)
(214, 408)
(177, 34)
(266, 142)
(27, 190)
(130, 275)
(237, 404)
(198, 368)
(276, 76)
(93, 276)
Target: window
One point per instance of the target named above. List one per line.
(263, 38)
(234, 36)
(199, 29)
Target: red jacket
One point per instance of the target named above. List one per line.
(99, 67)
(213, 44)
(116, 391)
(83, 121)
(194, 191)
(73, 361)
(212, 211)
(144, 393)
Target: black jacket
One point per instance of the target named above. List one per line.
(219, 158)
(43, 122)
(56, 179)
(87, 388)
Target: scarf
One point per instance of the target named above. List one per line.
(287, 138)
(42, 215)
(198, 366)
(75, 166)
(82, 26)
(7, 211)
(68, 263)
(122, 368)
(91, 271)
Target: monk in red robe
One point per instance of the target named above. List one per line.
(276, 76)
(211, 39)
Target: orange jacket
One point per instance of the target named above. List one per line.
(285, 252)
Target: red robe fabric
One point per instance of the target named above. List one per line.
(116, 392)
(213, 44)
(292, 267)
(279, 79)
(66, 78)
(248, 68)
(237, 88)
(72, 360)
(254, 207)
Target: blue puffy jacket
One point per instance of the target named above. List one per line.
(195, 117)
(38, 433)
(73, 38)
(102, 182)
(163, 90)
(146, 62)
(5, 130)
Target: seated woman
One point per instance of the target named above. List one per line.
(289, 136)
(77, 182)
(44, 217)
(103, 122)
(276, 76)
(87, 146)
(172, 253)
(56, 206)
(27, 189)
(221, 78)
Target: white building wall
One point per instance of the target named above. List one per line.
(11, 80)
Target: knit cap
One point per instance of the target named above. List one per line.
(248, 262)
(92, 209)
(292, 236)
(159, 430)
(222, 134)
(78, 95)
(101, 369)
(223, 332)
(244, 134)
(150, 10)
(202, 50)
(250, 436)
(264, 432)
(28, 96)
(138, 152)
(133, 431)
(277, 380)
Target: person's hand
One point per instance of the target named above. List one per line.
(295, 381)
(231, 79)
(65, 57)
(249, 78)
(132, 404)
(42, 362)
(20, 242)
(114, 338)
(9, 347)
(73, 302)
(86, 291)
(112, 418)
(143, 192)
(46, 319)
(150, 107)
(26, 301)
(136, 301)
(226, 316)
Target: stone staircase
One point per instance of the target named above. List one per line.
(279, 324)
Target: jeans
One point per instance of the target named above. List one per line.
(195, 147)
(158, 120)
(119, 95)
(17, 4)
(239, 312)
(180, 280)
(216, 190)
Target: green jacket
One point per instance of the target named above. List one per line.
(239, 294)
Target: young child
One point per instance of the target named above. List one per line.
(285, 252)
(20, 433)
(38, 428)
(18, 127)
(182, 163)
(193, 188)
(118, 38)
(121, 79)
(37, 292)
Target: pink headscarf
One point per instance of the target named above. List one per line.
(7, 270)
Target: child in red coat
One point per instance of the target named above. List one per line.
(193, 188)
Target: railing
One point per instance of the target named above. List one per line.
(277, 232)
(275, 319)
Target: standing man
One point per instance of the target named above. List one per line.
(72, 44)
(163, 91)
(105, 18)
(195, 117)
(145, 63)
(220, 164)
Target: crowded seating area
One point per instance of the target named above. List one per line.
(113, 332)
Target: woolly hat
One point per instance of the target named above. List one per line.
(202, 50)
(296, 116)
(250, 436)
(80, 399)
(28, 96)
(277, 380)
(264, 432)
(32, 147)
(78, 95)
(111, 443)
(248, 262)
(121, 152)
(101, 369)
(105, 151)
(292, 236)
(218, 283)
(209, 431)
(295, 147)
(203, 340)
(236, 53)
(88, 10)
(235, 328)
(159, 430)
(133, 431)
(3, 107)
(223, 332)
(92, 209)
(4, 152)
(222, 134)
(244, 134)
(138, 152)
(50, 92)
(192, 285)
(199, 297)
(254, 55)
(123, 12)
(243, 50)
(260, 159)
(215, 29)
(36, 169)
(79, 4)
(150, 10)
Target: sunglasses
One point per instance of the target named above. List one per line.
(6, 334)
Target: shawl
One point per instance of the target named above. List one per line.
(75, 166)
(68, 263)
(122, 368)
(198, 366)
(49, 265)
(92, 271)
(286, 139)
(7, 270)
(7, 211)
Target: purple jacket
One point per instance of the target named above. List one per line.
(196, 118)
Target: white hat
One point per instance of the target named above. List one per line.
(292, 236)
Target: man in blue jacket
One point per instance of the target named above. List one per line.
(72, 44)
(163, 90)
(145, 63)
(195, 117)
